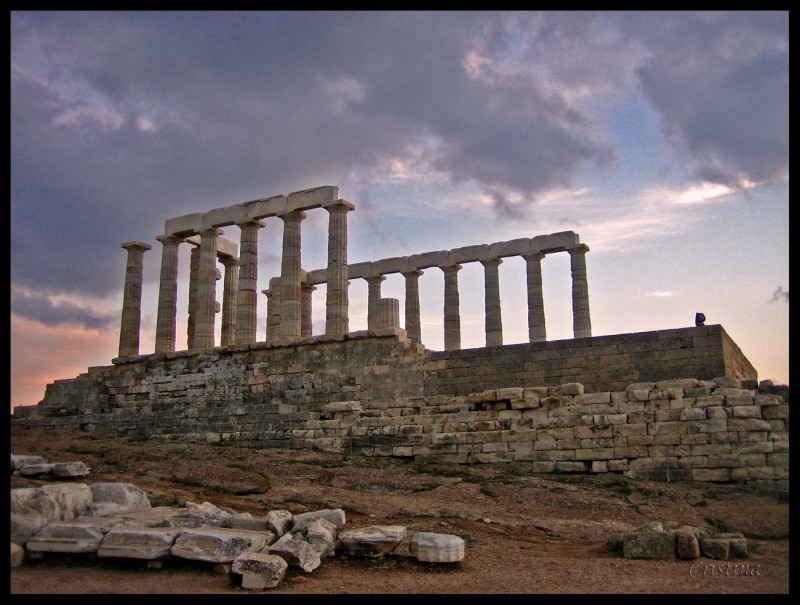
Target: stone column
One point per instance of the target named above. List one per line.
(206, 289)
(247, 293)
(274, 309)
(337, 317)
(373, 299)
(581, 322)
(132, 300)
(194, 268)
(268, 294)
(494, 320)
(229, 298)
(167, 295)
(306, 291)
(291, 274)
(452, 316)
(536, 324)
(413, 328)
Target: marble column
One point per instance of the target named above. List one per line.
(229, 300)
(268, 294)
(132, 300)
(452, 316)
(291, 274)
(274, 309)
(337, 317)
(247, 293)
(536, 323)
(413, 326)
(206, 289)
(373, 299)
(581, 322)
(494, 320)
(194, 268)
(306, 291)
(167, 295)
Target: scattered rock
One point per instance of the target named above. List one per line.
(296, 551)
(259, 570)
(335, 516)
(649, 545)
(139, 543)
(216, 545)
(323, 532)
(279, 521)
(124, 494)
(69, 469)
(687, 545)
(66, 537)
(17, 555)
(373, 541)
(437, 548)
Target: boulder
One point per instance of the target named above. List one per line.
(333, 515)
(650, 526)
(25, 526)
(124, 494)
(296, 551)
(686, 545)
(715, 548)
(437, 548)
(322, 532)
(34, 470)
(649, 545)
(259, 570)
(216, 545)
(373, 541)
(70, 469)
(149, 543)
(17, 462)
(279, 521)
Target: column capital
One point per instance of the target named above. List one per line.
(533, 256)
(210, 231)
(292, 215)
(169, 239)
(579, 249)
(229, 261)
(134, 245)
(412, 273)
(306, 287)
(491, 262)
(450, 268)
(250, 222)
(375, 279)
(338, 206)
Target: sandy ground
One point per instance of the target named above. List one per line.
(523, 533)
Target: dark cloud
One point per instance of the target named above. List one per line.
(39, 307)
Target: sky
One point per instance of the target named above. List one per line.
(660, 138)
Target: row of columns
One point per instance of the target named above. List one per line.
(289, 298)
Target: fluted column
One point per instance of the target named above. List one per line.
(337, 316)
(274, 309)
(206, 289)
(494, 320)
(167, 295)
(229, 300)
(581, 322)
(291, 274)
(306, 291)
(536, 323)
(194, 268)
(452, 315)
(132, 300)
(413, 328)
(247, 293)
(373, 299)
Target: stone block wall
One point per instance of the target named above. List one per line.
(601, 363)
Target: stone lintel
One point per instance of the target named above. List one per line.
(135, 244)
(316, 277)
(312, 198)
(469, 254)
(429, 259)
(555, 242)
(514, 247)
(225, 247)
(270, 206)
(358, 270)
(345, 203)
(396, 264)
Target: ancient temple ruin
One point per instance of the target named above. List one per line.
(637, 403)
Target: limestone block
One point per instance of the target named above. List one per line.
(727, 382)
(711, 474)
(312, 198)
(149, 543)
(200, 515)
(335, 516)
(748, 424)
(343, 406)
(323, 532)
(678, 383)
(126, 494)
(437, 548)
(554, 242)
(514, 247)
(34, 470)
(693, 414)
(66, 537)
(279, 521)
(650, 526)
(17, 462)
(715, 548)
(592, 398)
(296, 551)
(574, 388)
(216, 545)
(59, 502)
(373, 541)
(775, 412)
(25, 526)
(259, 570)
(687, 545)
(17, 555)
(649, 545)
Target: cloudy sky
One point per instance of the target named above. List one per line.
(662, 139)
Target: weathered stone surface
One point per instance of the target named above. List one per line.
(34, 470)
(437, 548)
(125, 494)
(25, 526)
(17, 555)
(737, 548)
(66, 537)
(279, 521)
(58, 502)
(649, 545)
(650, 526)
(19, 461)
(70, 469)
(139, 543)
(200, 515)
(715, 548)
(343, 406)
(247, 521)
(296, 551)
(259, 570)
(686, 545)
(373, 541)
(321, 531)
(216, 545)
(333, 515)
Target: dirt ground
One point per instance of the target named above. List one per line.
(523, 533)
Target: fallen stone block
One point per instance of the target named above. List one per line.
(650, 526)
(57, 502)
(247, 521)
(687, 545)
(259, 570)
(279, 521)
(25, 526)
(17, 555)
(19, 461)
(296, 551)
(649, 545)
(333, 515)
(139, 543)
(715, 548)
(373, 541)
(216, 545)
(34, 470)
(66, 538)
(615, 542)
(125, 494)
(70, 469)
(437, 548)
(201, 515)
(322, 532)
